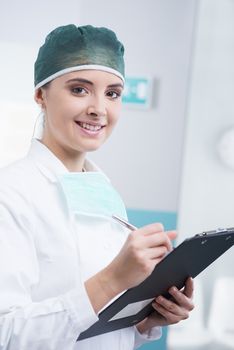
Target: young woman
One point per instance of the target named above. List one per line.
(62, 256)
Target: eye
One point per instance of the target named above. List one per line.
(78, 90)
(113, 94)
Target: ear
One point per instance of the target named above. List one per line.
(39, 97)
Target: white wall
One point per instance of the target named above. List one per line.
(27, 22)
(207, 187)
(143, 158)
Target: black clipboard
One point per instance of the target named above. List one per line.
(189, 259)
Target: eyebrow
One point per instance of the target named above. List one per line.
(81, 80)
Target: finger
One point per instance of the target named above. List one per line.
(156, 240)
(150, 241)
(172, 234)
(151, 229)
(157, 252)
(189, 287)
(171, 306)
(181, 299)
(160, 238)
(170, 317)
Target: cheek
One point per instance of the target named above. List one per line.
(112, 123)
(115, 114)
(57, 124)
(61, 114)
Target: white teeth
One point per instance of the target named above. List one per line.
(90, 127)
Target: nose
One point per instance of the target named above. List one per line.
(97, 107)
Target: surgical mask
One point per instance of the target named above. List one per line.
(91, 193)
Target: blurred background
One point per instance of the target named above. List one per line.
(172, 154)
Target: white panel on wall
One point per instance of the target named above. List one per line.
(18, 110)
(207, 188)
(16, 71)
(17, 124)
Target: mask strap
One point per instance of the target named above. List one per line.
(39, 126)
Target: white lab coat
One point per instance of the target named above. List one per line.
(46, 254)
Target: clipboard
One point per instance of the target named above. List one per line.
(189, 259)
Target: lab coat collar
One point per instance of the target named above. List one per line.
(49, 165)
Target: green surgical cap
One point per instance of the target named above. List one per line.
(70, 48)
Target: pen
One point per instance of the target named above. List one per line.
(124, 223)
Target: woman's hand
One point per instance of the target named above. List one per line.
(142, 251)
(170, 311)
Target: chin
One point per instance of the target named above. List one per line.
(87, 148)
(91, 149)
(92, 146)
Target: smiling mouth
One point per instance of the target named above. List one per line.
(90, 127)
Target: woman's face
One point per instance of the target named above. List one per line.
(81, 109)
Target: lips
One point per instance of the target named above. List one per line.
(89, 126)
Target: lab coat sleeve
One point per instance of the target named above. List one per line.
(50, 324)
(142, 338)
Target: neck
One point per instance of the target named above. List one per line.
(73, 164)
(73, 160)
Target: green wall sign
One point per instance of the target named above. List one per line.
(137, 92)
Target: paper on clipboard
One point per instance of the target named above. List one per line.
(131, 309)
